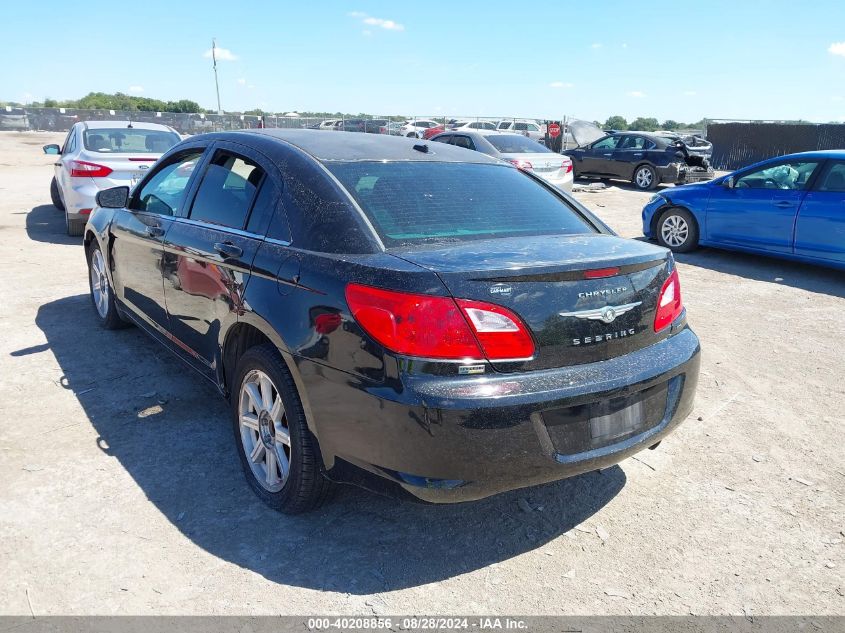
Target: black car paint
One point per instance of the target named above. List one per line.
(411, 426)
(669, 159)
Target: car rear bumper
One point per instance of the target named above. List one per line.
(450, 439)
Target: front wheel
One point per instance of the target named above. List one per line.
(645, 178)
(279, 455)
(677, 230)
(102, 296)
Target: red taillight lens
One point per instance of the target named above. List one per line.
(567, 166)
(82, 169)
(85, 211)
(521, 163)
(439, 327)
(600, 273)
(669, 304)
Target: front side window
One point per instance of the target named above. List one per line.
(227, 190)
(429, 202)
(520, 126)
(608, 142)
(792, 176)
(834, 180)
(128, 140)
(164, 193)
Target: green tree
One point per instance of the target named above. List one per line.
(616, 123)
(644, 124)
(669, 124)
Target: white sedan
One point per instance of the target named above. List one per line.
(416, 128)
(97, 155)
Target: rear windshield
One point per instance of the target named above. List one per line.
(423, 202)
(516, 144)
(128, 141)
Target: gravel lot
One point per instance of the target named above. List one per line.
(121, 492)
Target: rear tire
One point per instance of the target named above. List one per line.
(278, 453)
(677, 230)
(645, 178)
(54, 195)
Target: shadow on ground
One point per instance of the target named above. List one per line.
(782, 272)
(171, 432)
(45, 223)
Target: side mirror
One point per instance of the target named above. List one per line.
(52, 148)
(114, 198)
(729, 182)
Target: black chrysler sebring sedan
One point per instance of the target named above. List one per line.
(412, 317)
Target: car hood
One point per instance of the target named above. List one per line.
(584, 132)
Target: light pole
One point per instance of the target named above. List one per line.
(216, 83)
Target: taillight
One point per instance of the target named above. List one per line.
(600, 273)
(567, 165)
(85, 211)
(439, 327)
(521, 163)
(82, 169)
(669, 304)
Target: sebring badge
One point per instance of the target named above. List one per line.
(607, 314)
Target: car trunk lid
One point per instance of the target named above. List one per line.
(547, 282)
(127, 169)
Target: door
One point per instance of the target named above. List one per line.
(630, 152)
(138, 233)
(62, 170)
(759, 211)
(596, 158)
(820, 228)
(209, 251)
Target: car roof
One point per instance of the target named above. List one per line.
(348, 146)
(138, 125)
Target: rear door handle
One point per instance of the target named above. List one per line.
(228, 250)
(58, 164)
(783, 204)
(155, 231)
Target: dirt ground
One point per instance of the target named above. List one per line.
(121, 492)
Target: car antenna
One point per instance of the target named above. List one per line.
(421, 147)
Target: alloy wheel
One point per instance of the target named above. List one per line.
(265, 433)
(99, 283)
(644, 177)
(674, 230)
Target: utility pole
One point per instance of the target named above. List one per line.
(216, 83)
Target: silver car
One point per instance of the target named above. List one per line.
(519, 150)
(97, 155)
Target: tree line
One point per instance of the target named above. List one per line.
(120, 101)
(647, 124)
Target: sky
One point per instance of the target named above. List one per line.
(743, 59)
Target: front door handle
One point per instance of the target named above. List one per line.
(155, 231)
(58, 164)
(783, 204)
(228, 250)
(607, 154)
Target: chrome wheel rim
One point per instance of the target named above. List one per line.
(99, 283)
(644, 177)
(265, 433)
(674, 230)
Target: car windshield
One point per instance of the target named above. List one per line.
(128, 140)
(422, 202)
(516, 144)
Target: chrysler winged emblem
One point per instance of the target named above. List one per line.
(607, 314)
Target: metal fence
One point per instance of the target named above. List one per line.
(740, 143)
(61, 119)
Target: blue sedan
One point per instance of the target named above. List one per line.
(790, 206)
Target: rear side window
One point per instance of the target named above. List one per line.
(834, 180)
(227, 190)
(516, 144)
(463, 141)
(422, 202)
